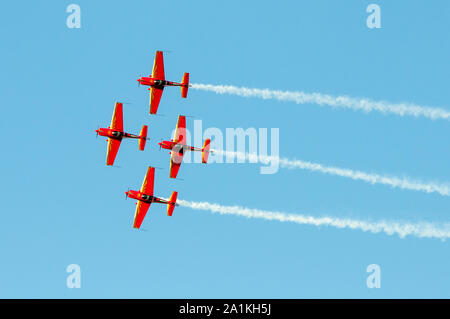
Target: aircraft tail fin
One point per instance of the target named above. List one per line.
(143, 137)
(185, 85)
(205, 150)
(172, 203)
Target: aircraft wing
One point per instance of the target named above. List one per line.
(158, 66)
(117, 119)
(180, 131)
(113, 148)
(155, 97)
(175, 163)
(139, 215)
(149, 181)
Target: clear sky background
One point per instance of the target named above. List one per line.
(61, 205)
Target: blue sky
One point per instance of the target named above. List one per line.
(61, 205)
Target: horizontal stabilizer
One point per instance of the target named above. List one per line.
(185, 85)
(143, 137)
(172, 203)
(205, 150)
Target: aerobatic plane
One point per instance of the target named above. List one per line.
(178, 147)
(145, 198)
(115, 134)
(157, 82)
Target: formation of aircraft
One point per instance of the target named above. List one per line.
(157, 82)
(177, 145)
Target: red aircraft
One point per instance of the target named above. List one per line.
(115, 134)
(145, 198)
(157, 82)
(178, 147)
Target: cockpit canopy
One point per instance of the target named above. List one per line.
(117, 134)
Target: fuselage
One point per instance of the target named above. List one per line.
(144, 197)
(118, 135)
(168, 145)
(180, 148)
(149, 81)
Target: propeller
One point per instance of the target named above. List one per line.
(126, 195)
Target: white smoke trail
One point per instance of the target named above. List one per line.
(397, 182)
(300, 97)
(402, 229)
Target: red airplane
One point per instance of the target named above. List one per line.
(178, 147)
(157, 82)
(115, 134)
(145, 198)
